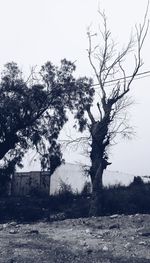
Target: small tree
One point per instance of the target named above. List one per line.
(107, 123)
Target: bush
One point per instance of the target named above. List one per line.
(137, 181)
(35, 192)
(65, 188)
(87, 189)
(128, 200)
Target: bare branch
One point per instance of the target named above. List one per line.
(90, 115)
(98, 106)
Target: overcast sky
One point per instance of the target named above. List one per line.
(35, 31)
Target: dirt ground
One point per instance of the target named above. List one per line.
(111, 239)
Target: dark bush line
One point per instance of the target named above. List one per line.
(119, 199)
(127, 200)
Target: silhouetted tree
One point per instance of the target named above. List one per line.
(110, 99)
(33, 112)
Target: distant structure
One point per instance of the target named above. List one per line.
(34, 183)
(26, 183)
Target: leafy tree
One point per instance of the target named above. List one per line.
(33, 112)
(102, 113)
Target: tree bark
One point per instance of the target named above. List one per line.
(99, 162)
(97, 192)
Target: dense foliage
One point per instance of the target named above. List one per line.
(33, 112)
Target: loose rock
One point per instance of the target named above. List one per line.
(127, 245)
(114, 226)
(5, 225)
(145, 234)
(12, 231)
(12, 223)
(142, 243)
(89, 250)
(87, 231)
(114, 216)
(34, 231)
(105, 248)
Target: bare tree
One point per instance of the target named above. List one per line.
(113, 86)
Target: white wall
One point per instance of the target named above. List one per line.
(73, 174)
(68, 173)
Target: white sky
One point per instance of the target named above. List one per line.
(35, 31)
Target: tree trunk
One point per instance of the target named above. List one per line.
(97, 192)
(98, 164)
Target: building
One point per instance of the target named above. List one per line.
(27, 183)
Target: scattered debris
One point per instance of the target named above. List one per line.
(105, 248)
(84, 243)
(33, 231)
(145, 233)
(114, 226)
(57, 217)
(89, 250)
(99, 226)
(12, 223)
(132, 238)
(121, 237)
(114, 216)
(127, 245)
(87, 231)
(12, 231)
(5, 226)
(142, 243)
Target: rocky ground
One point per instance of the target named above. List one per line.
(111, 239)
